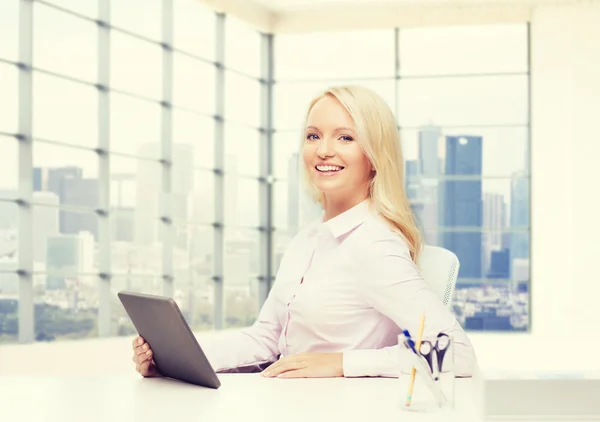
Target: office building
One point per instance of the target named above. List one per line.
(519, 217)
(462, 203)
(67, 256)
(45, 222)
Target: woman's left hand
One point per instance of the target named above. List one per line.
(307, 365)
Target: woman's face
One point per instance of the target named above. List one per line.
(333, 158)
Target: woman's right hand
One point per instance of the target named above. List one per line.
(143, 358)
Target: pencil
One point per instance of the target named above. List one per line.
(414, 370)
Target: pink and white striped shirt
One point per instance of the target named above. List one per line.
(345, 285)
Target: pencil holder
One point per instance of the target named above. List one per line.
(430, 387)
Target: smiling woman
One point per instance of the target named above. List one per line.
(349, 283)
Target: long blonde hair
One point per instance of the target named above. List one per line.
(379, 139)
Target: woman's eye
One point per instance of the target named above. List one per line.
(312, 137)
(347, 138)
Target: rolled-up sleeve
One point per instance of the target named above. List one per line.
(391, 283)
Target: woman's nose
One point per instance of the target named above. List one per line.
(325, 149)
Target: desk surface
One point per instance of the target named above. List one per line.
(242, 397)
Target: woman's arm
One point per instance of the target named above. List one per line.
(247, 349)
(392, 284)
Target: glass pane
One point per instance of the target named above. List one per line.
(494, 254)
(242, 47)
(242, 99)
(9, 223)
(64, 111)
(292, 99)
(65, 241)
(138, 187)
(496, 204)
(9, 30)
(501, 151)
(201, 200)
(329, 55)
(65, 307)
(194, 28)
(463, 50)
(135, 244)
(9, 100)
(88, 8)
(197, 131)
(241, 266)
(136, 65)
(185, 182)
(9, 159)
(286, 151)
(492, 306)
(142, 17)
(193, 84)
(120, 322)
(9, 311)
(192, 263)
(241, 201)
(489, 100)
(242, 150)
(64, 43)
(133, 124)
(69, 173)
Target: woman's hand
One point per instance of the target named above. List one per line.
(307, 365)
(142, 357)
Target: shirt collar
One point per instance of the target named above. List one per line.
(350, 219)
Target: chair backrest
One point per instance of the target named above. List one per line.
(439, 267)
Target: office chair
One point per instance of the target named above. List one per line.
(439, 267)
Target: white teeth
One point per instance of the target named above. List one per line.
(328, 168)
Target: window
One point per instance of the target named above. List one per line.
(9, 30)
(463, 50)
(8, 98)
(134, 123)
(86, 8)
(64, 43)
(242, 150)
(64, 111)
(135, 65)
(334, 55)
(194, 28)
(466, 144)
(142, 17)
(193, 84)
(9, 153)
(240, 277)
(244, 59)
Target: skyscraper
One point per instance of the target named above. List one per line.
(68, 184)
(494, 220)
(462, 202)
(149, 189)
(45, 222)
(519, 216)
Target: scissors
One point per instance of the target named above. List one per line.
(440, 347)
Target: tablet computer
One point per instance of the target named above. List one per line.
(176, 351)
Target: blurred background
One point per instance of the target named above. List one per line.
(153, 146)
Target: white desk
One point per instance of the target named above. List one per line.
(242, 397)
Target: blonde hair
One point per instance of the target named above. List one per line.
(379, 139)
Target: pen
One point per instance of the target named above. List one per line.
(414, 370)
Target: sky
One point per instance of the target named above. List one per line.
(490, 101)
